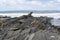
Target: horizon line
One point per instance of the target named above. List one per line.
(34, 11)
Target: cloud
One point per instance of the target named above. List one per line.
(29, 4)
(57, 0)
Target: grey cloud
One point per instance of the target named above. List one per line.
(38, 0)
(41, 0)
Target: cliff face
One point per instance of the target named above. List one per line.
(27, 27)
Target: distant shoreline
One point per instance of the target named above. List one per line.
(34, 11)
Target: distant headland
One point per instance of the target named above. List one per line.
(35, 11)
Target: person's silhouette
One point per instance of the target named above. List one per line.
(30, 14)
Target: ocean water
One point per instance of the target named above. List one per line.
(54, 15)
(55, 22)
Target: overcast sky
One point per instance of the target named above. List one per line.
(6, 5)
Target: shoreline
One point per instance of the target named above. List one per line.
(54, 15)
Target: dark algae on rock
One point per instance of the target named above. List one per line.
(27, 27)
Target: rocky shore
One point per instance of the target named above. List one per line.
(27, 27)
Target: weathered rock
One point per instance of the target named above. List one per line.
(46, 36)
(28, 27)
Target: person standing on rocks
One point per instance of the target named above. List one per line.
(30, 14)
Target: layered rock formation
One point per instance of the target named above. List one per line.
(28, 27)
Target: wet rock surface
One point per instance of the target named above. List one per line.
(28, 27)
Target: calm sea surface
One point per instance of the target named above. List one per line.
(55, 22)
